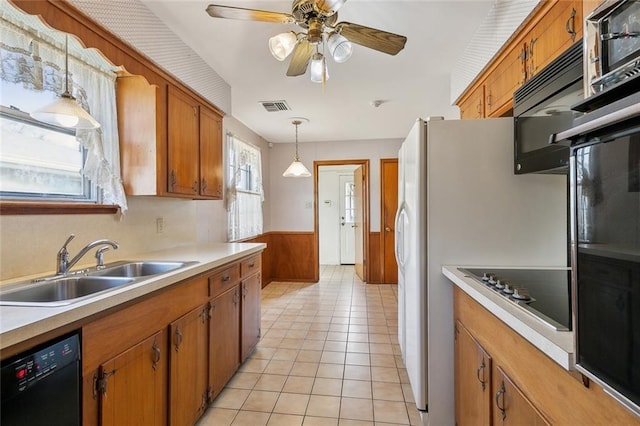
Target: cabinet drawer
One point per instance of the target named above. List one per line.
(251, 266)
(224, 280)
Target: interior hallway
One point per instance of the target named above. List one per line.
(329, 355)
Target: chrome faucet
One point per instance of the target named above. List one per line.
(63, 264)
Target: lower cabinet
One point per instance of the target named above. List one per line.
(479, 384)
(511, 406)
(131, 387)
(180, 347)
(224, 338)
(473, 380)
(251, 290)
(188, 354)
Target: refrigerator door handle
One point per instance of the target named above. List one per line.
(399, 240)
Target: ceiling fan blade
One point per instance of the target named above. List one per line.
(372, 38)
(328, 7)
(230, 12)
(300, 58)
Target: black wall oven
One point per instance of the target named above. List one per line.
(605, 247)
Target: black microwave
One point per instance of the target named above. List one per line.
(542, 108)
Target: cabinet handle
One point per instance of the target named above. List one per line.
(489, 96)
(226, 278)
(571, 25)
(236, 297)
(478, 110)
(244, 291)
(195, 186)
(251, 265)
(478, 371)
(177, 339)
(532, 67)
(172, 180)
(155, 356)
(523, 63)
(203, 184)
(500, 394)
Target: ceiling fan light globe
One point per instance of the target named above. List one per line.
(318, 68)
(339, 47)
(282, 45)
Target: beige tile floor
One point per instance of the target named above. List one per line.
(329, 355)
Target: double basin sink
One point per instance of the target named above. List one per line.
(67, 289)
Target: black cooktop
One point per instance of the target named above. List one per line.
(545, 293)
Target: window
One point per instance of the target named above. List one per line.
(49, 163)
(38, 161)
(244, 189)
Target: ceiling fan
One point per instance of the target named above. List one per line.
(318, 18)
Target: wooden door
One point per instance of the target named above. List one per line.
(473, 105)
(472, 368)
(188, 367)
(359, 258)
(250, 320)
(560, 27)
(511, 406)
(507, 77)
(389, 202)
(224, 339)
(132, 386)
(183, 147)
(210, 154)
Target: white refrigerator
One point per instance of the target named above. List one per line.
(459, 203)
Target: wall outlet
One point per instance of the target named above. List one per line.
(159, 225)
(308, 205)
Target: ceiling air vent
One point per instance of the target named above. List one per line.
(275, 106)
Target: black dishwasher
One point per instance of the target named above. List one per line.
(42, 386)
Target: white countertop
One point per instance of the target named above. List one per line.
(557, 345)
(19, 323)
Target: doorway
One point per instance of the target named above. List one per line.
(341, 214)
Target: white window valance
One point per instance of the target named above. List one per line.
(33, 55)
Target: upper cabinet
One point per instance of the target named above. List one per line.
(171, 143)
(552, 28)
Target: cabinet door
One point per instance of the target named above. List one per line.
(555, 33)
(188, 367)
(183, 143)
(224, 339)
(472, 380)
(211, 171)
(505, 79)
(251, 289)
(473, 106)
(132, 386)
(511, 407)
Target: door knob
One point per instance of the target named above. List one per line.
(386, 228)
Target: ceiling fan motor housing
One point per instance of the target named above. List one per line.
(304, 11)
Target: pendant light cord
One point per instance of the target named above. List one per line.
(66, 63)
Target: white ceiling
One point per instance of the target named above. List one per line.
(414, 83)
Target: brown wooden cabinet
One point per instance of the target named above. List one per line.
(170, 143)
(558, 29)
(505, 79)
(224, 339)
(511, 406)
(472, 380)
(188, 390)
(131, 386)
(251, 289)
(473, 106)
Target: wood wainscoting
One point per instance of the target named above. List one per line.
(375, 257)
(289, 256)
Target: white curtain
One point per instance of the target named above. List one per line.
(33, 55)
(244, 193)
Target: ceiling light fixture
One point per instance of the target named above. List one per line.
(282, 45)
(296, 169)
(65, 111)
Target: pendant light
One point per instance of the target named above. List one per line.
(65, 111)
(296, 169)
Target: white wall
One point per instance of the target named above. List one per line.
(291, 206)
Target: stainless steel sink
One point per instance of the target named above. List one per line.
(61, 291)
(140, 269)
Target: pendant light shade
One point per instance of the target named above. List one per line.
(65, 111)
(339, 47)
(296, 169)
